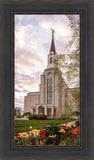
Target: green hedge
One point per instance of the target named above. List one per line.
(37, 117)
(19, 116)
(27, 114)
(76, 113)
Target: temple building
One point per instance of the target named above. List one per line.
(50, 99)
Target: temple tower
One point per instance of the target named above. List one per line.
(52, 54)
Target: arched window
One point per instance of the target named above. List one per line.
(49, 91)
(50, 60)
(49, 73)
(41, 110)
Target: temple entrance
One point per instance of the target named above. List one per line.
(41, 110)
(49, 112)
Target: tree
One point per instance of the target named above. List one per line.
(73, 69)
(68, 107)
(69, 64)
(18, 112)
(76, 97)
(27, 114)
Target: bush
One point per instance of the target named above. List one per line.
(52, 129)
(27, 114)
(65, 117)
(76, 113)
(32, 117)
(19, 116)
(41, 117)
(18, 113)
(37, 117)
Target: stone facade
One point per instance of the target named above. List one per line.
(50, 99)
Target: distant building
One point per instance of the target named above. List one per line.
(50, 99)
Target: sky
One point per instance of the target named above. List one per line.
(32, 45)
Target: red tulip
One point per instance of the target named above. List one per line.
(41, 122)
(64, 126)
(72, 133)
(41, 132)
(78, 128)
(42, 136)
(17, 135)
(28, 133)
(75, 131)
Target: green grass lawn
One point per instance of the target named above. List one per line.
(23, 125)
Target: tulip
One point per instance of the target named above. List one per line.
(22, 135)
(52, 136)
(72, 133)
(41, 122)
(62, 130)
(35, 130)
(42, 136)
(30, 127)
(41, 132)
(17, 135)
(64, 126)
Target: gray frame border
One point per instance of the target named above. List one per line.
(8, 9)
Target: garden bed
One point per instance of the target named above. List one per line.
(50, 134)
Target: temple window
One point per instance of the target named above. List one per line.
(34, 111)
(50, 60)
(49, 73)
(49, 91)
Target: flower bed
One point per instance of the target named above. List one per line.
(50, 135)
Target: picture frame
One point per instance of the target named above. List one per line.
(8, 150)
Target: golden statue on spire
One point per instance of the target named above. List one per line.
(52, 32)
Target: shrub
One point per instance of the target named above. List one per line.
(52, 134)
(37, 117)
(27, 114)
(41, 117)
(18, 113)
(52, 129)
(65, 117)
(32, 117)
(76, 113)
(19, 116)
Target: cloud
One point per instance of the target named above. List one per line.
(32, 45)
(25, 80)
(26, 37)
(24, 84)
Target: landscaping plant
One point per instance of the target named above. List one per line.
(51, 134)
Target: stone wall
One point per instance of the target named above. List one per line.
(30, 101)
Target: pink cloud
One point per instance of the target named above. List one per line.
(32, 43)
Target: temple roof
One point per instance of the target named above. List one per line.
(52, 44)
